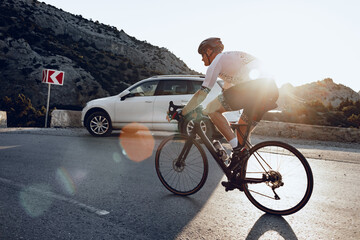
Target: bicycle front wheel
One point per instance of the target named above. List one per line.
(181, 176)
(287, 180)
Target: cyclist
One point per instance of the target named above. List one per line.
(246, 86)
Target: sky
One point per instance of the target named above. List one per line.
(300, 41)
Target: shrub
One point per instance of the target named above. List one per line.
(350, 110)
(317, 106)
(336, 119)
(354, 120)
(346, 115)
(21, 113)
(345, 103)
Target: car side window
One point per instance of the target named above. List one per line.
(196, 85)
(145, 89)
(172, 87)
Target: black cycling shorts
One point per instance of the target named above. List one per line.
(256, 97)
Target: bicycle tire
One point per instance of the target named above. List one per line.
(188, 178)
(287, 165)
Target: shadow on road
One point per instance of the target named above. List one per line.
(148, 207)
(268, 222)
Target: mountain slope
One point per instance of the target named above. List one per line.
(98, 60)
(325, 91)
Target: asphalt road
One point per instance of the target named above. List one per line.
(60, 185)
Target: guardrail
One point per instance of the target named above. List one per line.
(3, 119)
(304, 131)
(66, 118)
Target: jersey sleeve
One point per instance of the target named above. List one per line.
(212, 72)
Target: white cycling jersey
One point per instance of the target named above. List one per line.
(233, 67)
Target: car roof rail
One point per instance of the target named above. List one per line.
(179, 75)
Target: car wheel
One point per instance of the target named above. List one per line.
(99, 124)
(205, 124)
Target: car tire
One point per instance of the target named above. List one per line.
(99, 124)
(206, 125)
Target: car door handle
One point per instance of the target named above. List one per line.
(148, 101)
(184, 101)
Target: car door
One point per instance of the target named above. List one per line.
(138, 105)
(169, 90)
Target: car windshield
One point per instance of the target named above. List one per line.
(145, 89)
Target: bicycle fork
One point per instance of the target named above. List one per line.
(180, 161)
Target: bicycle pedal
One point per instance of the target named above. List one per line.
(229, 189)
(228, 186)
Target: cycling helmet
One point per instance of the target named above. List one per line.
(213, 43)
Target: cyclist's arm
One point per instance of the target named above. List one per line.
(196, 100)
(212, 73)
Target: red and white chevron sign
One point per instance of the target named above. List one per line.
(53, 77)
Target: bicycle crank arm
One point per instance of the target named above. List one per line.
(254, 180)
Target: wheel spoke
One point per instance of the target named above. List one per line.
(286, 171)
(186, 178)
(99, 124)
(263, 195)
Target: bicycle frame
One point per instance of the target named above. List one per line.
(229, 174)
(183, 171)
(210, 147)
(197, 130)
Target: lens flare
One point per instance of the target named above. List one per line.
(254, 74)
(65, 180)
(136, 142)
(33, 201)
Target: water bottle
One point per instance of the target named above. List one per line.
(220, 150)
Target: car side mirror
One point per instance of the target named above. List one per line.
(125, 94)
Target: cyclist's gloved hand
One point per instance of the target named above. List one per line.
(177, 115)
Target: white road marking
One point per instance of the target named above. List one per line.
(6, 147)
(50, 194)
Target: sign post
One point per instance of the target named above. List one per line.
(47, 106)
(50, 76)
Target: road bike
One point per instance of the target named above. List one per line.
(274, 175)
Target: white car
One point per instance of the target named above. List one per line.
(147, 102)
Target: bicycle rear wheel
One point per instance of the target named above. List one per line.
(181, 176)
(288, 180)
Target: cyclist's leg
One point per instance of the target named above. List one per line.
(253, 97)
(219, 105)
(244, 120)
(214, 110)
(239, 97)
(249, 96)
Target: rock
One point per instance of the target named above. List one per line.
(98, 60)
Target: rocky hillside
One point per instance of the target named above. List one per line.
(98, 60)
(325, 91)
